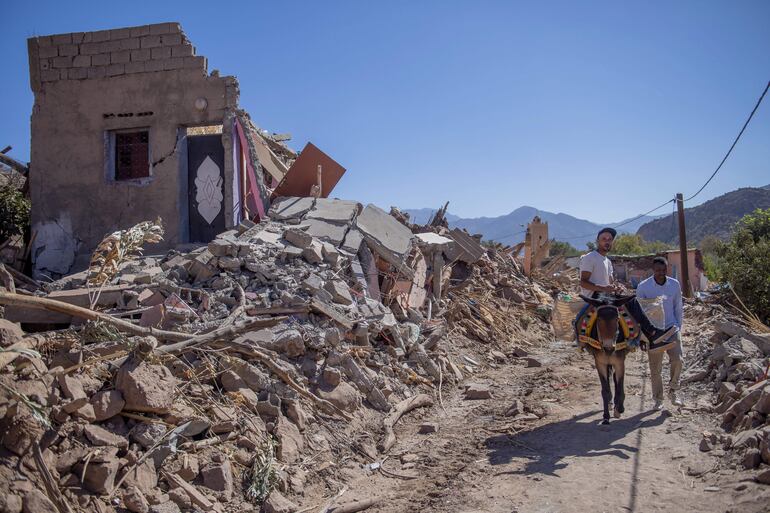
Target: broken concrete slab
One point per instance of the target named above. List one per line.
(385, 235)
(353, 241)
(298, 237)
(431, 239)
(290, 207)
(324, 230)
(334, 210)
(340, 292)
(465, 249)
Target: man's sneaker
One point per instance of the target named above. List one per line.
(662, 340)
(658, 405)
(675, 399)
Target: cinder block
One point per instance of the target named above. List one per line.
(141, 55)
(43, 41)
(165, 28)
(98, 72)
(100, 36)
(150, 42)
(77, 73)
(77, 37)
(61, 39)
(197, 61)
(175, 63)
(143, 30)
(154, 65)
(102, 59)
(163, 52)
(88, 37)
(131, 43)
(114, 70)
(135, 67)
(120, 33)
(182, 51)
(68, 50)
(47, 52)
(82, 61)
(62, 62)
(49, 75)
(120, 57)
(90, 48)
(45, 64)
(171, 39)
(110, 46)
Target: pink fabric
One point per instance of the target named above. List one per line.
(253, 198)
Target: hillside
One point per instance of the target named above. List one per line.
(714, 217)
(509, 228)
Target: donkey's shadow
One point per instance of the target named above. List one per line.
(547, 446)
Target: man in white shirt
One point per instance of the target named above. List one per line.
(596, 276)
(666, 287)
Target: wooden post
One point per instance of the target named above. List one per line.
(684, 264)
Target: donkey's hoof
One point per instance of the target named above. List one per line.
(617, 412)
(605, 422)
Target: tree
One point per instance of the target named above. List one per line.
(634, 244)
(713, 250)
(14, 212)
(747, 262)
(563, 248)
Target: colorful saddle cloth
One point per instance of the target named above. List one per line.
(628, 337)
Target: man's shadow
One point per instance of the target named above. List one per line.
(546, 446)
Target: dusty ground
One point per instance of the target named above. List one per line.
(482, 461)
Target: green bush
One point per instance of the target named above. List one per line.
(634, 244)
(746, 264)
(14, 212)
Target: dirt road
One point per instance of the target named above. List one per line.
(482, 461)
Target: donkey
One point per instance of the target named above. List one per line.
(607, 330)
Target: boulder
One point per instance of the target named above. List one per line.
(10, 333)
(100, 437)
(277, 503)
(146, 387)
(134, 501)
(107, 404)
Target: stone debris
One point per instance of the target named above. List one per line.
(360, 311)
(730, 363)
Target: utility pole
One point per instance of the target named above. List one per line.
(684, 275)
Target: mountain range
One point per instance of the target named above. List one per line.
(714, 217)
(509, 228)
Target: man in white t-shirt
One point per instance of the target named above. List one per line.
(596, 276)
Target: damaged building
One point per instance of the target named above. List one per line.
(129, 125)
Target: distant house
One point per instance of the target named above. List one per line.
(632, 269)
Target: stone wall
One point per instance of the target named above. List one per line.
(88, 85)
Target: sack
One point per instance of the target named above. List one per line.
(563, 317)
(653, 308)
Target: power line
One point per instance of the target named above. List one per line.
(734, 143)
(625, 222)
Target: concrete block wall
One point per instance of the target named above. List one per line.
(111, 53)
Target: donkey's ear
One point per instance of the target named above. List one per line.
(591, 301)
(623, 300)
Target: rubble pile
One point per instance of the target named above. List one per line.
(731, 362)
(243, 373)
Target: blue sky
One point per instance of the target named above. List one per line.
(598, 109)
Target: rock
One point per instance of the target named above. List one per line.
(475, 391)
(146, 433)
(313, 253)
(763, 403)
(764, 449)
(705, 445)
(185, 465)
(133, 500)
(752, 459)
(222, 248)
(290, 441)
(232, 264)
(290, 253)
(10, 503)
(291, 343)
(343, 396)
(312, 284)
(295, 413)
(144, 476)
(532, 362)
(218, 476)
(10, 333)
(340, 292)
(146, 387)
(180, 498)
(428, 427)
(36, 501)
(232, 382)
(298, 237)
(166, 507)
(517, 408)
(107, 404)
(764, 477)
(100, 475)
(332, 376)
(100, 437)
(277, 503)
(498, 356)
(330, 253)
(72, 389)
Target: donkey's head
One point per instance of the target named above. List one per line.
(607, 324)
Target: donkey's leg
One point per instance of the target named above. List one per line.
(603, 369)
(619, 364)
